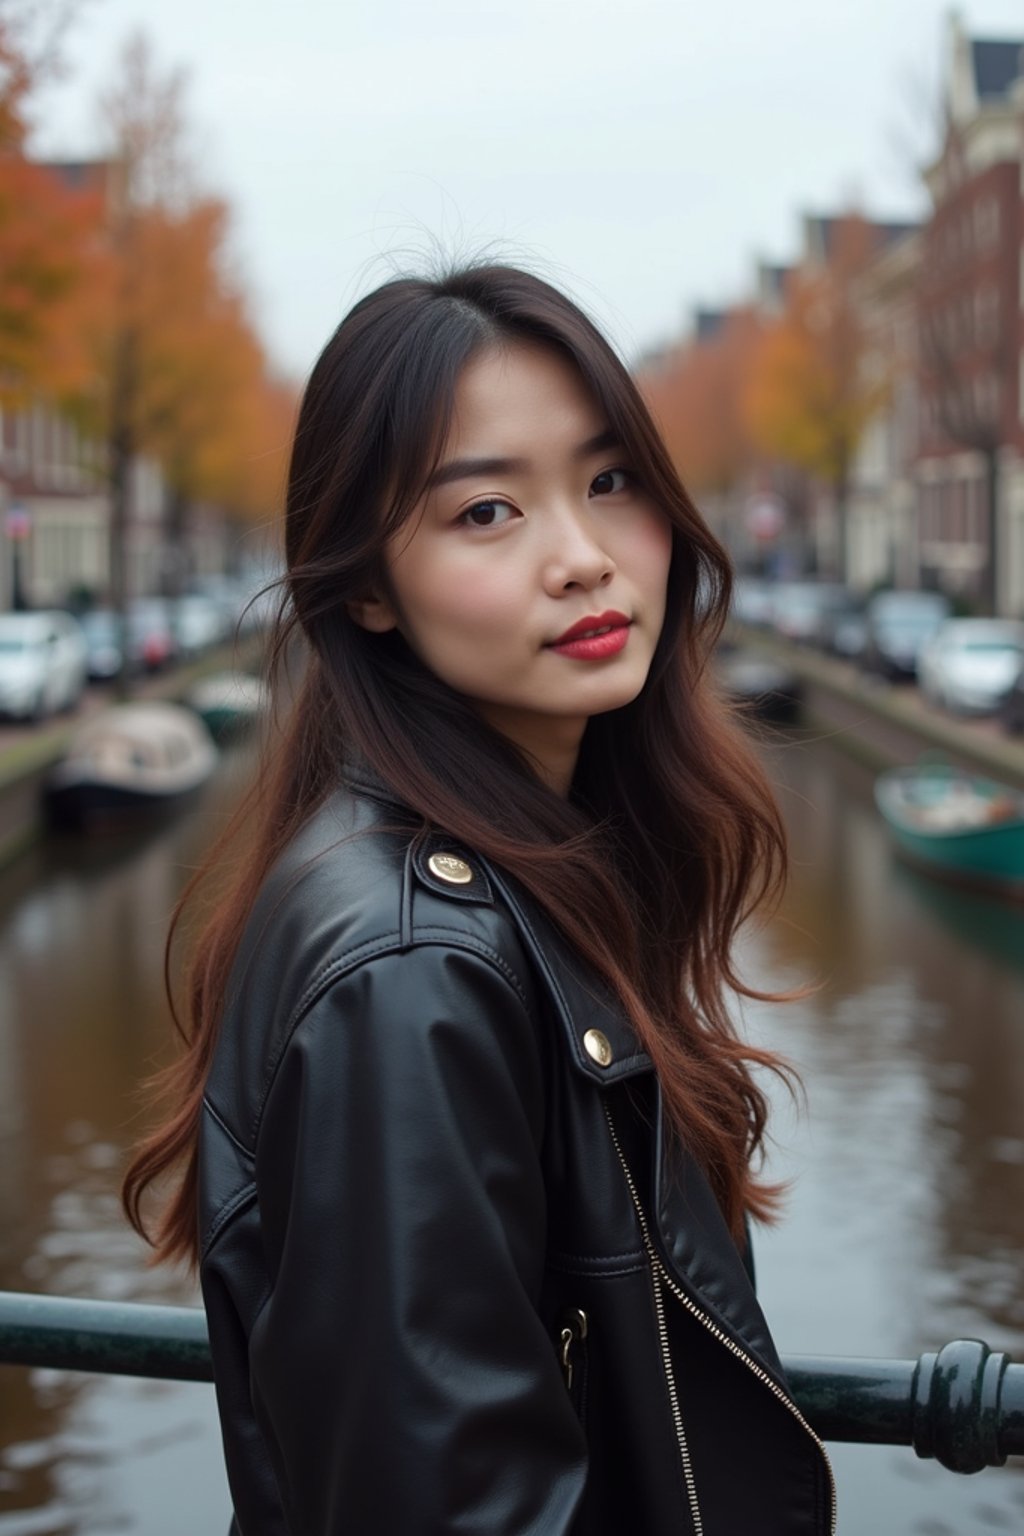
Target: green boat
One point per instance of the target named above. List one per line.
(956, 825)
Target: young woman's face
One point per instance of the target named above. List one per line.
(531, 528)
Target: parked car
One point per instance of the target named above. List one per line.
(199, 624)
(899, 623)
(228, 592)
(970, 665)
(844, 625)
(800, 609)
(261, 600)
(104, 643)
(1011, 709)
(152, 643)
(42, 663)
(753, 601)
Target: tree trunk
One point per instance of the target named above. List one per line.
(175, 546)
(841, 495)
(121, 447)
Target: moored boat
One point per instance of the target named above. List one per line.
(957, 825)
(228, 703)
(130, 761)
(760, 685)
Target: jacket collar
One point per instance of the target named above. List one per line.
(584, 1005)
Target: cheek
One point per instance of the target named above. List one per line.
(481, 602)
(651, 550)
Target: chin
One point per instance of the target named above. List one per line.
(614, 698)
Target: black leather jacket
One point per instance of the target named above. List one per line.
(452, 1286)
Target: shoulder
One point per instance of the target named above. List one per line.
(360, 903)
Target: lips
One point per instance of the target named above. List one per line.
(592, 625)
(595, 638)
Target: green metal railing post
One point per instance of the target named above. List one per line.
(964, 1405)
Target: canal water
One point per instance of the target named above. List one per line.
(905, 1220)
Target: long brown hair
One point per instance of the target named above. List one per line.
(670, 836)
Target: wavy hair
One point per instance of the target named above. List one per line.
(670, 837)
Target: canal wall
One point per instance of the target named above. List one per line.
(25, 764)
(886, 725)
(882, 724)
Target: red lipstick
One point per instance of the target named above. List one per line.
(595, 637)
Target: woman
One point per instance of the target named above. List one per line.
(466, 1130)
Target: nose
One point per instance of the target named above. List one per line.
(576, 559)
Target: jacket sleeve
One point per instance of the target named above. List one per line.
(400, 1373)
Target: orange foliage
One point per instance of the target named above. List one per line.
(16, 75)
(697, 396)
(809, 396)
(180, 372)
(52, 267)
(200, 371)
(116, 298)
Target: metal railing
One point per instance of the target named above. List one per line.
(964, 1405)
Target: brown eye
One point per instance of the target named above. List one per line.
(609, 481)
(486, 514)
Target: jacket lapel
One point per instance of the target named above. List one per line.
(693, 1238)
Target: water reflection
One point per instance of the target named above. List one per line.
(905, 1226)
(906, 1221)
(83, 929)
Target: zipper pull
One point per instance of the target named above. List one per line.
(575, 1327)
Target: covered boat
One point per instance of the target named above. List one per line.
(760, 685)
(956, 825)
(229, 703)
(131, 760)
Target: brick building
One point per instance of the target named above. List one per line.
(882, 528)
(969, 463)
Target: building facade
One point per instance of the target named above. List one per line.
(969, 467)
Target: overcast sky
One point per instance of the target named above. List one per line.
(643, 153)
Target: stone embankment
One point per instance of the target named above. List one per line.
(883, 723)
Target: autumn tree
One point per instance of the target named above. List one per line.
(697, 394)
(810, 391)
(180, 375)
(52, 265)
(202, 389)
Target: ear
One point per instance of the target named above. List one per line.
(373, 613)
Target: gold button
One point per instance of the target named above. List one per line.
(596, 1044)
(447, 867)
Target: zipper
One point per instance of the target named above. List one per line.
(572, 1352)
(661, 1278)
(657, 1280)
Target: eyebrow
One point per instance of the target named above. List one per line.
(469, 469)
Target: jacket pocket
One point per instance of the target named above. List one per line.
(573, 1333)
